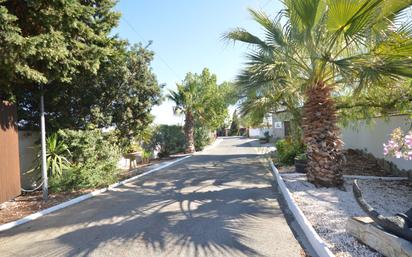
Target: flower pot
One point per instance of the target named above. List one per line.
(300, 166)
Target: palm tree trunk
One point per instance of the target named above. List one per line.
(189, 133)
(321, 136)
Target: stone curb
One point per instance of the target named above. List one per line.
(295, 174)
(82, 198)
(314, 239)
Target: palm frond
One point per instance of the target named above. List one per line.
(242, 35)
(304, 14)
(273, 28)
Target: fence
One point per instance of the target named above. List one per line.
(9, 153)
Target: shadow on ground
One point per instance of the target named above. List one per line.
(201, 204)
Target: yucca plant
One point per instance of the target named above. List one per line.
(326, 47)
(56, 156)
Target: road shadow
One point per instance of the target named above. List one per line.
(201, 204)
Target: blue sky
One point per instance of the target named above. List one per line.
(186, 37)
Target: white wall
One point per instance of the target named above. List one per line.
(259, 132)
(27, 154)
(278, 131)
(370, 137)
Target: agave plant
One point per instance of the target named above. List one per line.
(56, 156)
(324, 47)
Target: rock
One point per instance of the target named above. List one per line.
(364, 229)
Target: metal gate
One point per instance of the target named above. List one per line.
(9, 152)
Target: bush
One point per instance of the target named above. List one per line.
(202, 138)
(287, 150)
(168, 139)
(94, 161)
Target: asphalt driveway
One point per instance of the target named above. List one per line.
(217, 203)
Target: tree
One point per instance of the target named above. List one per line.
(234, 126)
(267, 84)
(102, 81)
(329, 47)
(203, 102)
(43, 42)
(185, 102)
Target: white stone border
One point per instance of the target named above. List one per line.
(317, 243)
(81, 198)
(297, 175)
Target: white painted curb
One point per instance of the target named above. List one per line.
(298, 175)
(83, 197)
(317, 243)
(375, 177)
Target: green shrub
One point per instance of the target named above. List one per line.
(202, 138)
(287, 150)
(94, 161)
(168, 139)
(57, 157)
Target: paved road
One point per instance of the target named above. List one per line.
(217, 203)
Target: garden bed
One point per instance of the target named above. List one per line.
(29, 203)
(328, 209)
(357, 164)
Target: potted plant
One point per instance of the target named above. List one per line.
(301, 161)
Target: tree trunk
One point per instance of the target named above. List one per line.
(189, 133)
(321, 136)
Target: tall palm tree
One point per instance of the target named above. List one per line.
(185, 103)
(325, 47)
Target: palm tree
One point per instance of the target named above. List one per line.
(185, 102)
(323, 48)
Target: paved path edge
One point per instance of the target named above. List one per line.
(318, 245)
(82, 198)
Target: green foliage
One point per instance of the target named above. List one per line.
(287, 150)
(301, 157)
(46, 41)
(201, 95)
(380, 100)
(234, 126)
(90, 78)
(57, 157)
(168, 139)
(94, 161)
(203, 102)
(202, 137)
(344, 43)
(121, 94)
(146, 155)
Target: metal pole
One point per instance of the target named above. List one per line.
(43, 148)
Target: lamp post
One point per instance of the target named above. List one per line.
(43, 147)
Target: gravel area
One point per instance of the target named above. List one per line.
(328, 209)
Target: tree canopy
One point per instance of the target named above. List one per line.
(315, 51)
(90, 78)
(42, 42)
(203, 102)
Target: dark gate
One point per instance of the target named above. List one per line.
(9, 152)
(286, 124)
